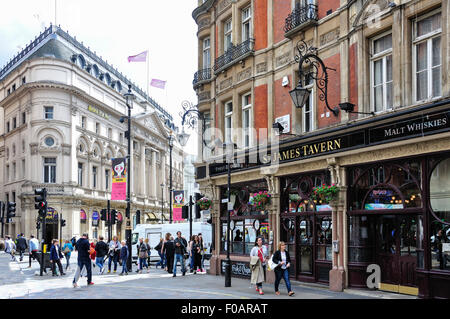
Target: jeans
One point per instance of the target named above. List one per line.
(284, 273)
(162, 260)
(114, 259)
(191, 264)
(21, 252)
(99, 262)
(67, 260)
(142, 262)
(83, 263)
(124, 266)
(179, 257)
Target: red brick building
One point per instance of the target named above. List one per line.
(390, 60)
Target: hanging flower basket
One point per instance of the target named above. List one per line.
(260, 200)
(204, 203)
(325, 194)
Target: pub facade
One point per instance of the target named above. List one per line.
(385, 161)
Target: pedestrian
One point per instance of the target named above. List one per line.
(149, 250)
(10, 248)
(143, 255)
(191, 254)
(21, 245)
(92, 252)
(124, 258)
(67, 250)
(55, 258)
(101, 250)
(283, 260)
(168, 251)
(202, 247)
(34, 248)
(158, 248)
(258, 255)
(83, 247)
(180, 250)
(114, 253)
(196, 253)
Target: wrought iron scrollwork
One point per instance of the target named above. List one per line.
(316, 70)
(190, 116)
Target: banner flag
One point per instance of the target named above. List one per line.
(160, 84)
(119, 179)
(178, 202)
(141, 57)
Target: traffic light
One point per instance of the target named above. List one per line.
(63, 223)
(113, 216)
(185, 212)
(103, 214)
(38, 225)
(10, 210)
(197, 196)
(40, 200)
(138, 217)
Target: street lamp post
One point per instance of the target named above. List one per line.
(192, 120)
(170, 176)
(162, 200)
(129, 98)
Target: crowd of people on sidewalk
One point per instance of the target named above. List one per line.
(171, 251)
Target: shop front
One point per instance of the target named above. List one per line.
(306, 226)
(398, 217)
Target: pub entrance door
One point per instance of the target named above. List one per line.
(397, 251)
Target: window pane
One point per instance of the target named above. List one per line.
(429, 24)
(436, 81)
(53, 174)
(389, 95)
(422, 85)
(388, 68)
(421, 56)
(382, 44)
(378, 72)
(436, 51)
(378, 98)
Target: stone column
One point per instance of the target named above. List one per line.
(142, 171)
(338, 271)
(154, 178)
(215, 216)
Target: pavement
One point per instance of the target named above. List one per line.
(17, 281)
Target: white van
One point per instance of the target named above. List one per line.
(154, 232)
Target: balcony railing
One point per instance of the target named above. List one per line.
(302, 16)
(201, 76)
(234, 54)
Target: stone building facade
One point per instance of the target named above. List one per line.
(390, 60)
(60, 112)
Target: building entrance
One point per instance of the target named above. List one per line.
(397, 249)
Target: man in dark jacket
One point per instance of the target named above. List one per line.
(21, 245)
(83, 246)
(180, 249)
(101, 249)
(169, 251)
(55, 256)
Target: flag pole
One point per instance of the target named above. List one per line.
(148, 75)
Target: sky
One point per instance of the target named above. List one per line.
(116, 29)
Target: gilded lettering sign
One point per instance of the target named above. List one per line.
(98, 112)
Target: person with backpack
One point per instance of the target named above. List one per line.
(114, 253)
(67, 250)
(180, 250)
(101, 250)
(55, 258)
(158, 248)
(143, 250)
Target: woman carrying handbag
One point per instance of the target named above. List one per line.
(258, 256)
(282, 260)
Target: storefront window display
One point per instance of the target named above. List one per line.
(440, 219)
(386, 186)
(247, 223)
